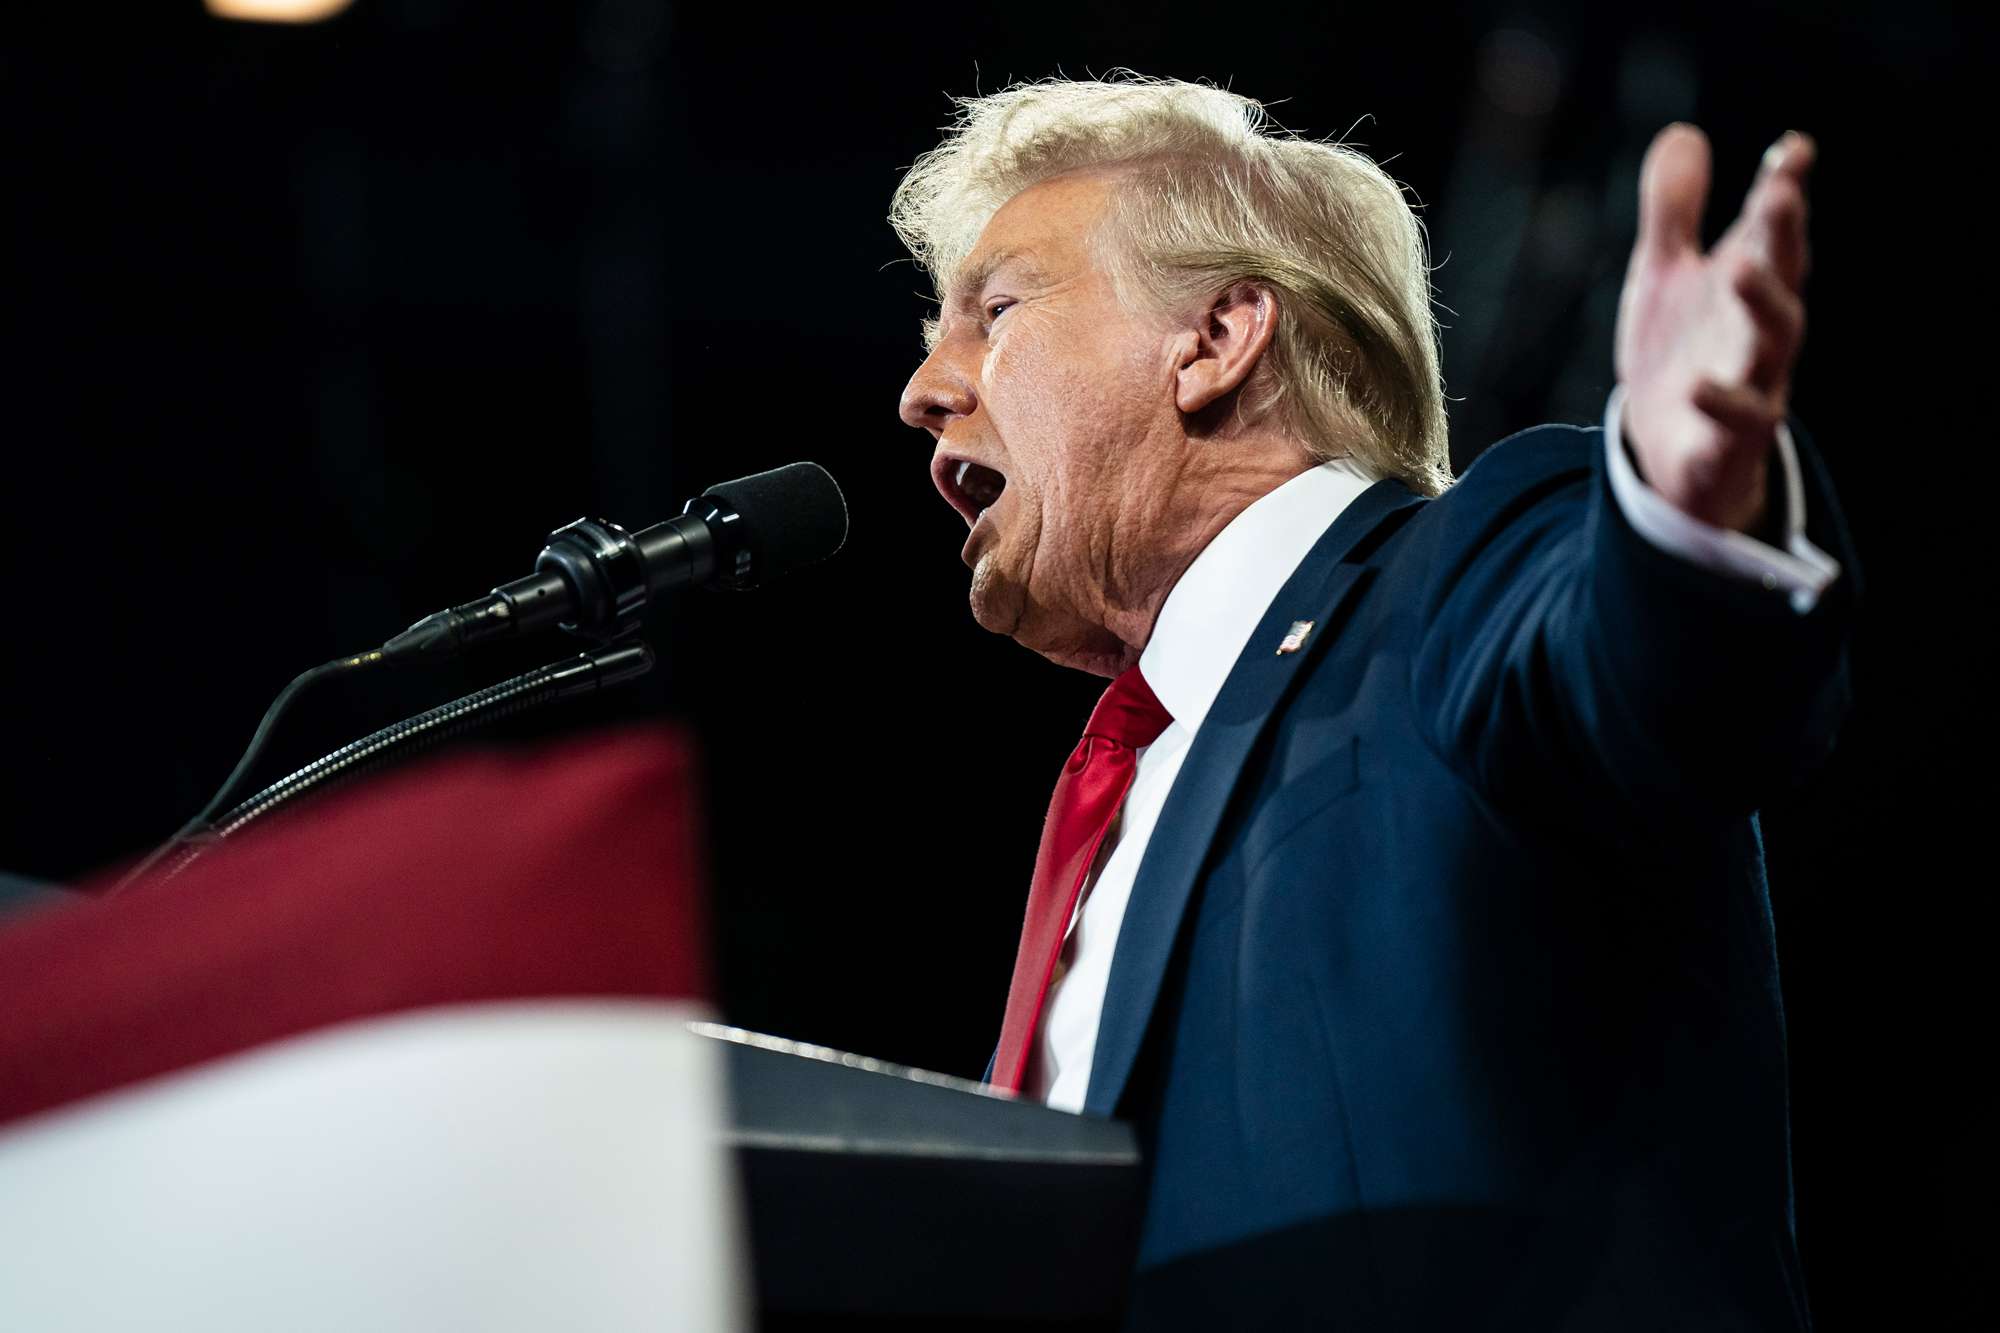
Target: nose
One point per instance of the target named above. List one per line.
(936, 395)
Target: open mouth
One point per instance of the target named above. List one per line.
(970, 488)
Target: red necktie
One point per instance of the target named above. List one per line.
(1088, 794)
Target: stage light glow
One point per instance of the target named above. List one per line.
(277, 11)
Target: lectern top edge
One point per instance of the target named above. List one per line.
(828, 1055)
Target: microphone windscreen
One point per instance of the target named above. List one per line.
(792, 516)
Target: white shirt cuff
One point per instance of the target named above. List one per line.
(1800, 569)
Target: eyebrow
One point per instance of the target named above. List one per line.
(969, 281)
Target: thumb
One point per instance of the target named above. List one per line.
(1673, 190)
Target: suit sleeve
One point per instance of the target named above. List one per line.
(1565, 662)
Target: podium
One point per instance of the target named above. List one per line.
(420, 1056)
(873, 1189)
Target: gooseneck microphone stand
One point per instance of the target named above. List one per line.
(596, 559)
(611, 664)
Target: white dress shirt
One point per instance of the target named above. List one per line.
(1205, 624)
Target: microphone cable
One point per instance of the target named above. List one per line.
(203, 823)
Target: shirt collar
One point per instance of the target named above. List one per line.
(1211, 613)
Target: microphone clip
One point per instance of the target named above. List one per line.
(606, 575)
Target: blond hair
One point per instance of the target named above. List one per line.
(1214, 194)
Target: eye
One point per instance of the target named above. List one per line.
(994, 309)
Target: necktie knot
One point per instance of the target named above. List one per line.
(1129, 713)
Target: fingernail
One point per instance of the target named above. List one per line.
(1776, 152)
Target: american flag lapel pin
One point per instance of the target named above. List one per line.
(1295, 637)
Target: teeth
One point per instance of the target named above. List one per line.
(974, 487)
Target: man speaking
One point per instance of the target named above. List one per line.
(1405, 888)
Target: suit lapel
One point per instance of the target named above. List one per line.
(1319, 591)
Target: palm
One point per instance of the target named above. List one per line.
(1706, 341)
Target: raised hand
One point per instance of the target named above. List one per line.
(1706, 342)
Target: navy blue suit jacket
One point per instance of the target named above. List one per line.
(1446, 997)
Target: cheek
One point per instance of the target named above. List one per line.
(1039, 391)
(1020, 371)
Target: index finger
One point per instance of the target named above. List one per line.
(1774, 216)
(1792, 155)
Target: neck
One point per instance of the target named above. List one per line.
(1170, 533)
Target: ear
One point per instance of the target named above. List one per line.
(1228, 341)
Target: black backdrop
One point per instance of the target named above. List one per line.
(308, 332)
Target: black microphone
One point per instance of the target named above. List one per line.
(595, 579)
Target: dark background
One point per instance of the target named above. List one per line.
(307, 332)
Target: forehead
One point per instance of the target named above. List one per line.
(1045, 228)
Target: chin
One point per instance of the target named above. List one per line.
(1001, 605)
(996, 603)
